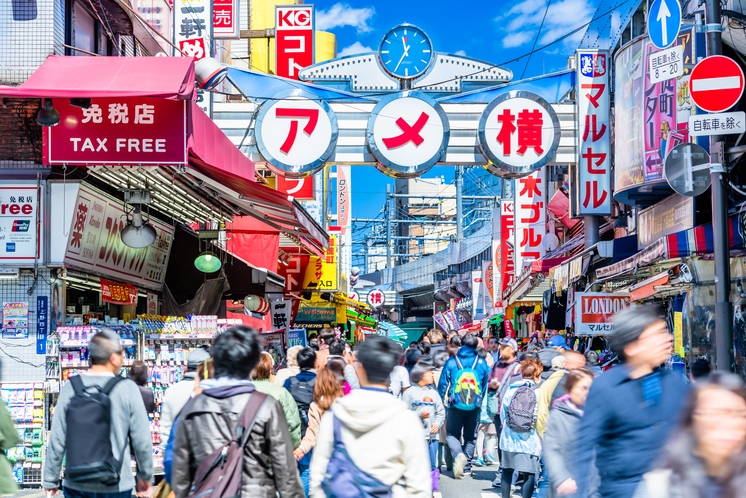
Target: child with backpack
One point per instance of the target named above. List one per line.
(424, 400)
(520, 442)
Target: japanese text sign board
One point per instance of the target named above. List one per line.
(519, 132)
(666, 64)
(226, 18)
(296, 135)
(376, 298)
(300, 189)
(15, 320)
(594, 311)
(724, 123)
(507, 249)
(322, 273)
(593, 190)
(118, 293)
(281, 313)
(294, 39)
(42, 323)
(294, 272)
(124, 131)
(664, 22)
(193, 24)
(95, 242)
(716, 83)
(530, 218)
(20, 236)
(297, 337)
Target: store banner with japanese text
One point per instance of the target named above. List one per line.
(322, 273)
(118, 293)
(594, 312)
(671, 215)
(118, 131)
(281, 314)
(593, 190)
(15, 320)
(21, 238)
(477, 302)
(489, 282)
(507, 251)
(193, 25)
(297, 337)
(226, 19)
(42, 323)
(95, 243)
(530, 218)
(344, 219)
(294, 39)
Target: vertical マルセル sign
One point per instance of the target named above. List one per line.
(530, 218)
(20, 236)
(507, 250)
(294, 47)
(226, 19)
(193, 24)
(593, 191)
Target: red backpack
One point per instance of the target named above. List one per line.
(219, 474)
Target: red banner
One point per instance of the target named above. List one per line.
(117, 131)
(117, 293)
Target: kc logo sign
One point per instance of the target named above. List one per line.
(294, 39)
(407, 134)
(519, 133)
(297, 134)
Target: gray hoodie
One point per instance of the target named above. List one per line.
(426, 399)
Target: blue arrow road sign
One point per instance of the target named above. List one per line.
(664, 22)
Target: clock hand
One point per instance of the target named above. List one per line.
(400, 61)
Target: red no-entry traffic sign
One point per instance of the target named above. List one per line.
(716, 83)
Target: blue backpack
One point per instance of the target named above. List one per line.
(466, 393)
(343, 479)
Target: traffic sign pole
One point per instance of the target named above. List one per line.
(723, 311)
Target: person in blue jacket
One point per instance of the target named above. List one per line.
(464, 383)
(631, 409)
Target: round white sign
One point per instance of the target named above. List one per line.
(376, 298)
(297, 134)
(519, 133)
(407, 133)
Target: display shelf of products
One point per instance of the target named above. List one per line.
(26, 404)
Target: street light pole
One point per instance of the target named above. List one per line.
(718, 162)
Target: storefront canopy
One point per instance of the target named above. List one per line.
(106, 77)
(531, 284)
(697, 240)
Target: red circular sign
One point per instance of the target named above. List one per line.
(716, 83)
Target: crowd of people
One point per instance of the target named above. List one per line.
(383, 421)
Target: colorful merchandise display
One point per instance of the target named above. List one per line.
(26, 403)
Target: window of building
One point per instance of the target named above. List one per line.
(84, 30)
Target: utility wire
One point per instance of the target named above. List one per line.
(536, 39)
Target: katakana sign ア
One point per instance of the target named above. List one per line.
(193, 24)
(530, 218)
(376, 298)
(407, 134)
(123, 131)
(294, 29)
(296, 134)
(593, 190)
(226, 19)
(519, 132)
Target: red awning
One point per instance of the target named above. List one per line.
(218, 162)
(99, 77)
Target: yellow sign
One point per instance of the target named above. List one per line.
(678, 332)
(322, 273)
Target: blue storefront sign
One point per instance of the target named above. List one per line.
(42, 323)
(297, 337)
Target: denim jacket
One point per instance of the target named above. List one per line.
(518, 442)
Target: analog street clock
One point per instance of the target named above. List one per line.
(406, 52)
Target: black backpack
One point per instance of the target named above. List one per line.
(302, 393)
(522, 409)
(89, 455)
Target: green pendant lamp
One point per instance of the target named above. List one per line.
(208, 262)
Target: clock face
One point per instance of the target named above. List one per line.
(406, 52)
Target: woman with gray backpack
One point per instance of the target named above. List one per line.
(520, 443)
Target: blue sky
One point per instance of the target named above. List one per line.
(496, 32)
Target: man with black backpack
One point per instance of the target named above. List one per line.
(464, 382)
(256, 460)
(98, 417)
(370, 443)
(301, 386)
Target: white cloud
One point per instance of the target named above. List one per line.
(461, 53)
(522, 22)
(341, 14)
(354, 49)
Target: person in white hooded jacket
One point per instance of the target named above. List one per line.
(381, 435)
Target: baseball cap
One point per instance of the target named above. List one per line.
(557, 341)
(510, 342)
(419, 370)
(196, 357)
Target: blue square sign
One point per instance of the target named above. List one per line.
(10, 247)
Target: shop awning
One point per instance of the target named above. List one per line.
(106, 77)
(217, 162)
(697, 240)
(531, 284)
